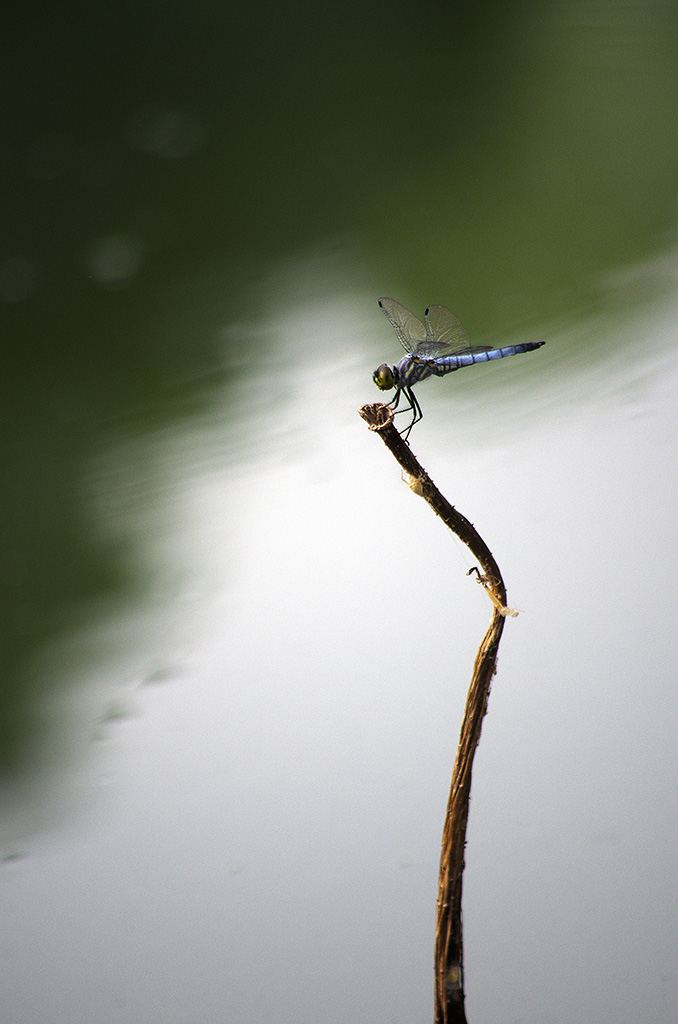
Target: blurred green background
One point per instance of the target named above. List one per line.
(159, 161)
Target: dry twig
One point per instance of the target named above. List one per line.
(449, 975)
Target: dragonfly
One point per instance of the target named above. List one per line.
(438, 346)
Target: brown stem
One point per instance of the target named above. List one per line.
(449, 962)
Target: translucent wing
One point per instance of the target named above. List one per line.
(446, 335)
(445, 330)
(411, 331)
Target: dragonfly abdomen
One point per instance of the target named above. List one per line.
(445, 364)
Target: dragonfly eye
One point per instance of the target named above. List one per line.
(383, 377)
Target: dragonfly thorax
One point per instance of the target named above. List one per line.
(386, 377)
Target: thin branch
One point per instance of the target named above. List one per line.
(449, 962)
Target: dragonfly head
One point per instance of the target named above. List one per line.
(383, 377)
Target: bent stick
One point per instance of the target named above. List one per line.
(448, 958)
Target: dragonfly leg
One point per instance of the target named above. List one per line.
(396, 398)
(416, 409)
(413, 407)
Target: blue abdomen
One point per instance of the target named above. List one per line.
(446, 364)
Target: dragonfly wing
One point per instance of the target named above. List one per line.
(410, 331)
(445, 334)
